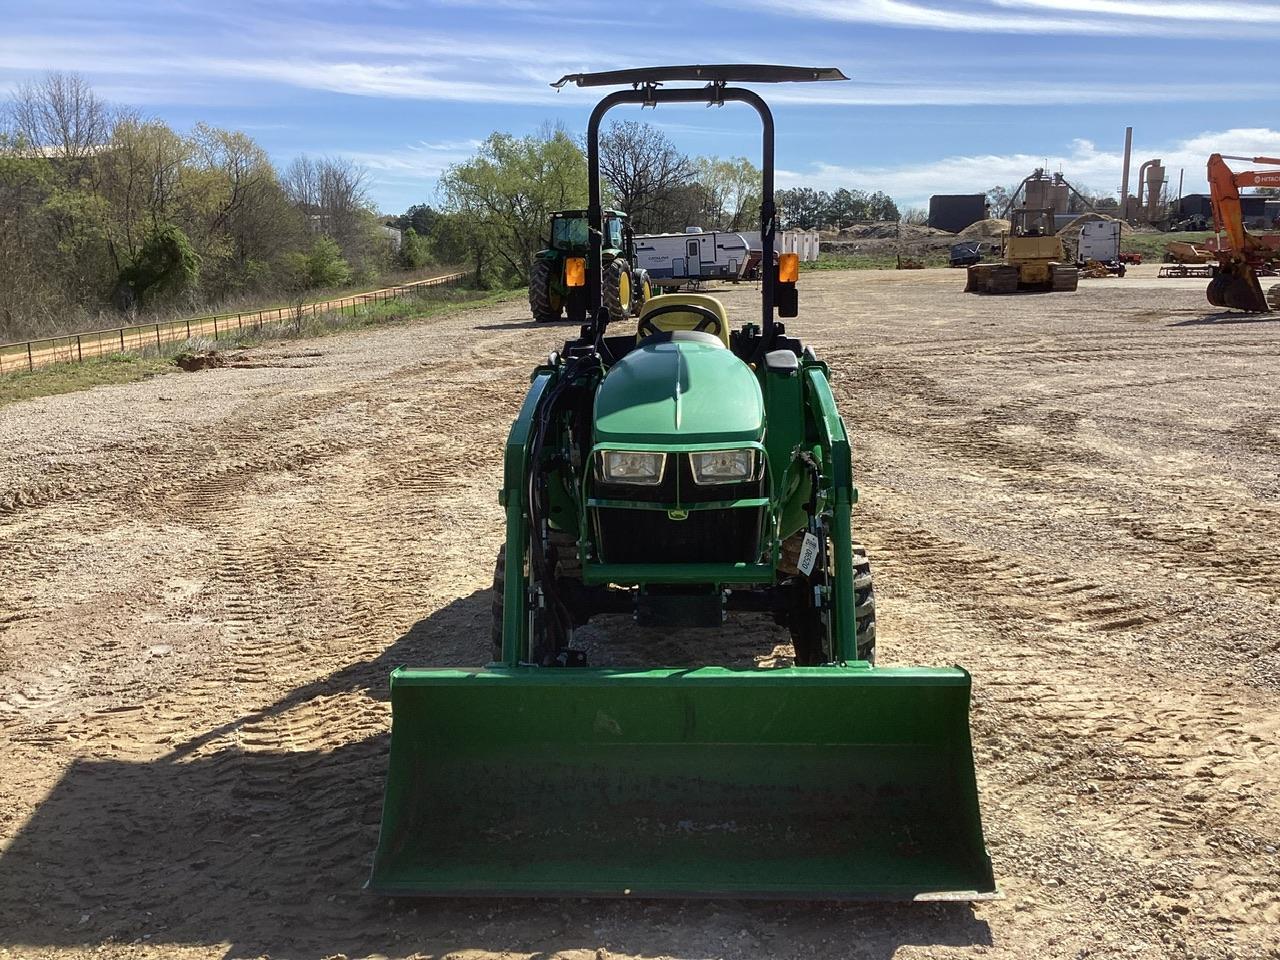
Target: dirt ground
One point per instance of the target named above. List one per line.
(205, 579)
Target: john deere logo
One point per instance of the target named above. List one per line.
(677, 514)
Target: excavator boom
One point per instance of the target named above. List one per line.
(1235, 284)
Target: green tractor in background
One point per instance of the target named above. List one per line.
(558, 277)
(686, 472)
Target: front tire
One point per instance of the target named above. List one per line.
(497, 603)
(642, 290)
(565, 562)
(809, 629)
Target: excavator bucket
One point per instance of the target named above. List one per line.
(1236, 287)
(807, 783)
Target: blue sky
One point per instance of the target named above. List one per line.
(947, 96)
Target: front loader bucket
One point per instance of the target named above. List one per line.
(813, 783)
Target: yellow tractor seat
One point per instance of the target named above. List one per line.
(670, 322)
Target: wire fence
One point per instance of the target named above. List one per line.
(77, 347)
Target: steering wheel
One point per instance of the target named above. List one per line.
(708, 322)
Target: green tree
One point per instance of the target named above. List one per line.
(321, 266)
(732, 191)
(415, 251)
(801, 208)
(421, 218)
(461, 240)
(510, 188)
(880, 206)
(165, 265)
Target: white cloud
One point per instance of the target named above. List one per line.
(999, 92)
(1083, 164)
(1060, 16)
(414, 162)
(1204, 11)
(441, 69)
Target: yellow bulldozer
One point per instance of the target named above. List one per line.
(1032, 258)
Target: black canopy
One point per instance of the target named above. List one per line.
(709, 73)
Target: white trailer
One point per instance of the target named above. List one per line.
(1099, 241)
(675, 259)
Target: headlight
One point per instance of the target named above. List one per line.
(723, 466)
(631, 466)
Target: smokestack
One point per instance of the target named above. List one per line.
(1124, 185)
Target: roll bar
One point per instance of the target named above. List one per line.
(647, 82)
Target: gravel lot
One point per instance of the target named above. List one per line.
(205, 579)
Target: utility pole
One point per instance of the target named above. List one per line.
(1124, 186)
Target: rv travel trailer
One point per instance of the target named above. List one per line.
(676, 259)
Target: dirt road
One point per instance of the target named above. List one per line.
(205, 579)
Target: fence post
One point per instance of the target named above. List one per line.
(79, 351)
(122, 339)
(31, 363)
(157, 338)
(215, 328)
(239, 325)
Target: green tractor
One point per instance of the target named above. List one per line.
(557, 277)
(688, 472)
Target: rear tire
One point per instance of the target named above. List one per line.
(617, 289)
(544, 302)
(1273, 298)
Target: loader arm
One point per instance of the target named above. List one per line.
(514, 497)
(834, 440)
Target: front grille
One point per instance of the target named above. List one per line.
(704, 536)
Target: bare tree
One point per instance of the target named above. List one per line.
(61, 116)
(644, 171)
(300, 184)
(333, 194)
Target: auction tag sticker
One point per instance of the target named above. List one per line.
(808, 554)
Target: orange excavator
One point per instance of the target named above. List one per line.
(1235, 282)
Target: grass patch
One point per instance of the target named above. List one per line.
(117, 368)
(878, 261)
(431, 302)
(69, 377)
(1151, 245)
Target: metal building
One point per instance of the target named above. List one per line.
(955, 211)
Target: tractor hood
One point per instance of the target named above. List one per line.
(679, 392)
